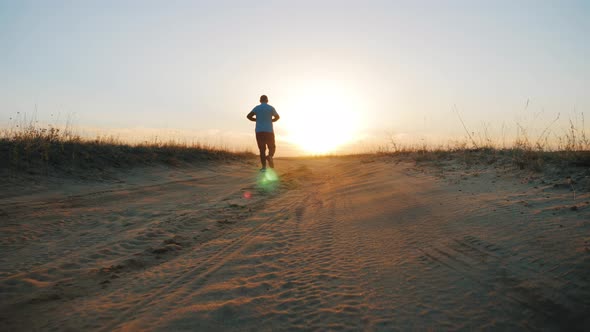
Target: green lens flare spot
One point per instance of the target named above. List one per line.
(268, 180)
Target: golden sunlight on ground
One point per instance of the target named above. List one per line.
(323, 117)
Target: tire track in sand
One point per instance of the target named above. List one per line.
(199, 274)
(508, 275)
(102, 244)
(316, 288)
(319, 288)
(69, 201)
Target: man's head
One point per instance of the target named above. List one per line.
(263, 99)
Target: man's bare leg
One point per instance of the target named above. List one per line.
(271, 162)
(263, 158)
(271, 153)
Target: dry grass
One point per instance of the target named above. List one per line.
(571, 148)
(31, 148)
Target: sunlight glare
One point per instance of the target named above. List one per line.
(324, 117)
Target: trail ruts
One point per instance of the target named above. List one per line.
(182, 223)
(75, 200)
(505, 273)
(198, 274)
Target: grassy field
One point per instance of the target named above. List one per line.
(36, 150)
(527, 151)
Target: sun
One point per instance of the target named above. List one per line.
(322, 118)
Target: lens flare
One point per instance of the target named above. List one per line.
(268, 180)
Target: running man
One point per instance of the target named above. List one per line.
(265, 115)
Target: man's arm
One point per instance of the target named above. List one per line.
(275, 115)
(251, 115)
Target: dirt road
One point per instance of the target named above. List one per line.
(343, 244)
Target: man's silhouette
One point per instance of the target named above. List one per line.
(264, 115)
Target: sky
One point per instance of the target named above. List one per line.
(356, 72)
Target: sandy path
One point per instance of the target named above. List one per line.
(342, 244)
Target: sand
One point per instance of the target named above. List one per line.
(360, 243)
